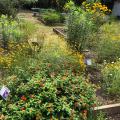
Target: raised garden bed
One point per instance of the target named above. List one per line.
(112, 111)
(44, 22)
(60, 31)
(109, 107)
(51, 17)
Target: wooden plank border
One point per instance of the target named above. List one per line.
(111, 109)
(59, 32)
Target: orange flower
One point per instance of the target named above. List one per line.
(52, 75)
(85, 112)
(94, 105)
(23, 98)
(42, 85)
(32, 96)
(49, 65)
(23, 108)
(64, 78)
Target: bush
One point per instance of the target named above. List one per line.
(81, 29)
(111, 78)
(51, 17)
(10, 31)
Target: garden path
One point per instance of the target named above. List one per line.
(51, 40)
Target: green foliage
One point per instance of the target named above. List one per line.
(108, 50)
(10, 30)
(51, 17)
(7, 7)
(60, 3)
(100, 116)
(48, 85)
(28, 29)
(81, 29)
(10, 7)
(15, 30)
(27, 1)
(111, 78)
(54, 97)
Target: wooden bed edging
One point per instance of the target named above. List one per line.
(111, 109)
(59, 32)
(44, 22)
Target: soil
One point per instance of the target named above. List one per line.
(96, 78)
(114, 117)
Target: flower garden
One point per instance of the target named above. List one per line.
(44, 76)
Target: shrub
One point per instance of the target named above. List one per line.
(111, 78)
(51, 17)
(60, 3)
(10, 30)
(97, 11)
(81, 29)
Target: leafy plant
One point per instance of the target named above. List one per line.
(47, 98)
(100, 116)
(7, 7)
(111, 78)
(51, 17)
(81, 29)
(10, 30)
(47, 86)
(108, 50)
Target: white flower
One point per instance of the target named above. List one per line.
(110, 74)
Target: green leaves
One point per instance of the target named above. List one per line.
(51, 97)
(10, 30)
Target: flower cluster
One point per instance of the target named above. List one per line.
(96, 7)
(5, 60)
